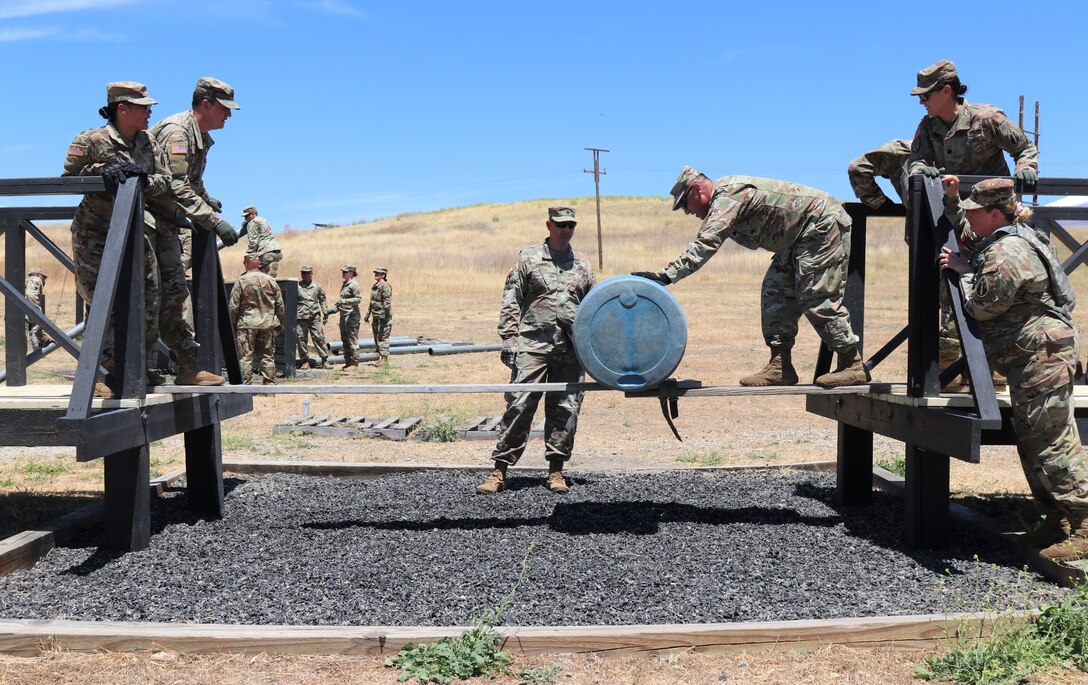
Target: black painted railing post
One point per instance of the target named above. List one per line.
(923, 297)
(14, 320)
(129, 353)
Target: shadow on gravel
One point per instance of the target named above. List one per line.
(597, 518)
(881, 524)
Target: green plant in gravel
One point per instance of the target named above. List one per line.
(474, 652)
(897, 466)
(442, 429)
(1014, 651)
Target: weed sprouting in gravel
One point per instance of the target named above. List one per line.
(1006, 649)
(442, 429)
(474, 652)
(540, 675)
(897, 466)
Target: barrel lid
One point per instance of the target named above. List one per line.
(629, 333)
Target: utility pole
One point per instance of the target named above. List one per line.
(597, 172)
(1035, 133)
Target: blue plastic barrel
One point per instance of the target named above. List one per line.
(630, 333)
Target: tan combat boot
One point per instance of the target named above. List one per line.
(556, 482)
(1075, 545)
(496, 482)
(850, 371)
(101, 390)
(945, 358)
(1052, 529)
(190, 374)
(778, 371)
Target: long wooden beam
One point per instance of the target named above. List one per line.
(685, 389)
(31, 637)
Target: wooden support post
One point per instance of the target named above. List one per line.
(854, 482)
(925, 501)
(204, 471)
(128, 499)
(14, 320)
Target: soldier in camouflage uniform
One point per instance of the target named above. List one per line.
(1016, 289)
(809, 234)
(183, 144)
(116, 151)
(542, 294)
(313, 314)
(887, 161)
(957, 137)
(35, 291)
(257, 315)
(347, 307)
(381, 310)
(261, 241)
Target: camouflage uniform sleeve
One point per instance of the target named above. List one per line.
(921, 150)
(174, 162)
(235, 302)
(990, 291)
(251, 235)
(322, 301)
(724, 211)
(80, 160)
(386, 292)
(1012, 139)
(354, 296)
(862, 173)
(34, 292)
(512, 300)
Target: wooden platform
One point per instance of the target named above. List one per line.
(56, 396)
(487, 428)
(395, 428)
(965, 401)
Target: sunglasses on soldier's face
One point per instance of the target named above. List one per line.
(565, 224)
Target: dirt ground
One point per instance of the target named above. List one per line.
(721, 305)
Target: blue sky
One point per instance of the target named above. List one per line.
(354, 109)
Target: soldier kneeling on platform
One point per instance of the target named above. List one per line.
(1017, 291)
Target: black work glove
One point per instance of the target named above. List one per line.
(367, 317)
(181, 219)
(226, 232)
(1027, 175)
(216, 204)
(136, 171)
(655, 276)
(113, 175)
(931, 172)
(509, 356)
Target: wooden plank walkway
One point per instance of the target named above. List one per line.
(395, 428)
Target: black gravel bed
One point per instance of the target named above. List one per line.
(422, 549)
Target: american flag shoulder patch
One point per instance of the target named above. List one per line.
(76, 151)
(179, 148)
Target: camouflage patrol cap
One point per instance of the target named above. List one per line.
(128, 91)
(680, 188)
(990, 193)
(306, 269)
(249, 209)
(251, 255)
(35, 271)
(563, 215)
(349, 267)
(381, 270)
(217, 90)
(933, 75)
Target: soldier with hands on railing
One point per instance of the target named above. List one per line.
(117, 151)
(311, 317)
(1016, 289)
(809, 233)
(257, 315)
(887, 161)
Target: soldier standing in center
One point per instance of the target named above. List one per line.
(261, 241)
(313, 314)
(35, 292)
(347, 307)
(257, 316)
(184, 142)
(542, 294)
(809, 234)
(381, 310)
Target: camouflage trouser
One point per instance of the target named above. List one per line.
(349, 335)
(1049, 444)
(175, 328)
(87, 248)
(382, 329)
(257, 352)
(270, 262)
(315, 331)
(185, 237)
(560, 408)
(35, 336)
(809, 278)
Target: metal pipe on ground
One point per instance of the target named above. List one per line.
(438, 350)
(368, 343)
(41, 352)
